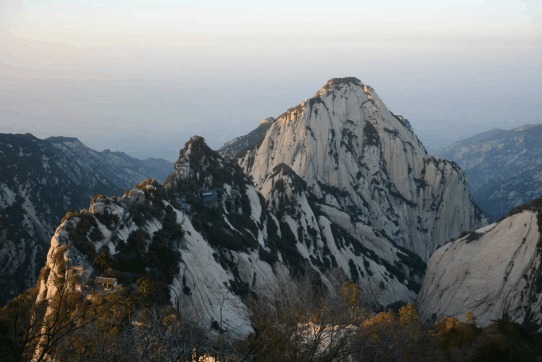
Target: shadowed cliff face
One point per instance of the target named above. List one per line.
(37, 185)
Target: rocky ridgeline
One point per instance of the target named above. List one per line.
(503, 167)
(118, 168)
(218, 250)
(243, 144)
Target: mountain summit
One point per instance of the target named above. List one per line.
(358, 157)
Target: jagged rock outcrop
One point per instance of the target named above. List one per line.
(39, 182)
(358, 157)
(502, 166)
(37, 185)
(494, 272)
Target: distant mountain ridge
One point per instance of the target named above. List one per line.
(39, 181)
(122, 170)
(502, 167)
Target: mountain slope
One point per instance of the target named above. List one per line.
(39, 182)
(497, 198)
(502, 167)
(240, 145)
(206, 251)
(284, 231)
(495, 273)
(336, 184)
(358, 157)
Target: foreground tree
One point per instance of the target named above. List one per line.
(301, 320)
(33, 328)
(394, 336)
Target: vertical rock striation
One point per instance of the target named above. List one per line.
(359, 157)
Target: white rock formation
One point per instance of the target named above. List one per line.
(356, 155)
(385, 272)
(339, 182)
(493, 273)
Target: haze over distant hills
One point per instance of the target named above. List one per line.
(503, 167)
(146, 214)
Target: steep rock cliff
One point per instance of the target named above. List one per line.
(207, 239)
(356, 156)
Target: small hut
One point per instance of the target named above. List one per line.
(106, 283)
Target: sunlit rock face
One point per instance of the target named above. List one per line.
(357, 156)
(493, 273)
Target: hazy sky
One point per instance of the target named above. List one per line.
(143, 76)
